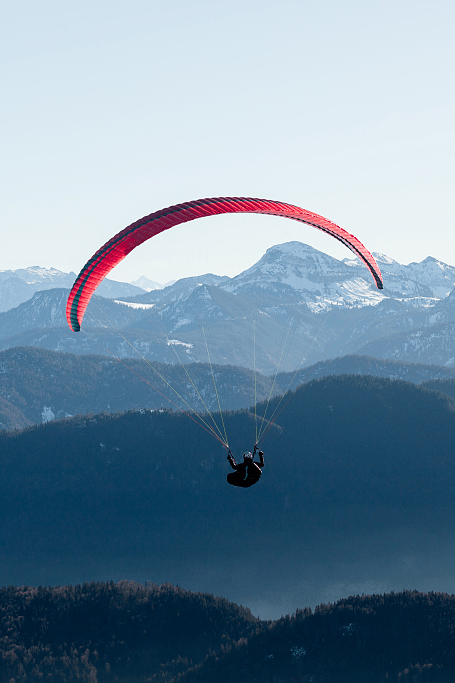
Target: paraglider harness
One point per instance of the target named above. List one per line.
(248, 472)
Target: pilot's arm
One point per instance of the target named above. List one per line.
(261, 459)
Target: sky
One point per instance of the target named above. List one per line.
(113, 110)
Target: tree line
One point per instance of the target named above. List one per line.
(128, 632)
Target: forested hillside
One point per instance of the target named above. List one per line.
(365, 639)
(44, 385)
(356, 495)
(37, 385)
(99, 632)
(446, 386)
(103, 632)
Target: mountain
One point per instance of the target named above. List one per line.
(446, 386)
(322, 281)
(429, 341)
(40, 278)
(209, 315)
(37, 385)
(434, 344)
(230, 329)
(46, 310)
(146, 284)
(130, 632)
(13, 291)
(13, 417)
(428, 279)
(295, 307)
(104, 631)
(375, 638)
(356, 497)
(178, 289)
(18, 286)
(297, 269)
(368, 365)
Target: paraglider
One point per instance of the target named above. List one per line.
(119, 246)
(247, 472)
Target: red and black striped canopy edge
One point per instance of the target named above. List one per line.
(111, 253)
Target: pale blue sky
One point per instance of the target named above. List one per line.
(112, 110)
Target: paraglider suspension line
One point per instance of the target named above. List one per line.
(216, 390)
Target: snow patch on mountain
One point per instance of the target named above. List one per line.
(133, 304)
(382, 259)
(47, 415)
(176, 342)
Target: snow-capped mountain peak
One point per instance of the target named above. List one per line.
(146, 284)
(291, 263)
(319, 279)
(37, 274)
(383, 259)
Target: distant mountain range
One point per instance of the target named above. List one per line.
(18, 286)
(294, 307)
(147, 284)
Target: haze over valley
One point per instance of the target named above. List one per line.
(348, 503)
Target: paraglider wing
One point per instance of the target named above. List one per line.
(115, 250)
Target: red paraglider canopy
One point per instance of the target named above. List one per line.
(111, 253)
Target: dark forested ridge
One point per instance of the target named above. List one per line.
(127, 632)
(37, 384)
(445, 386)
(356, 496)
(104, 632)
(398, 637)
